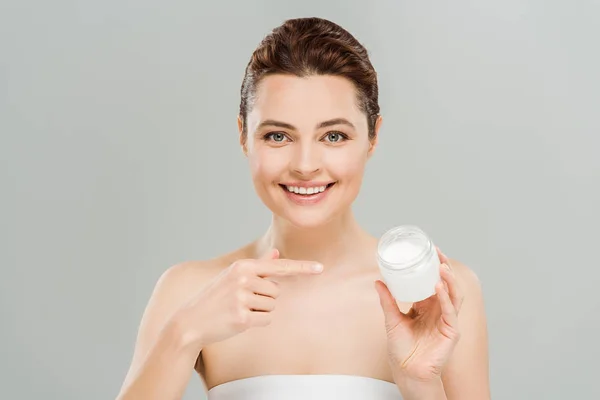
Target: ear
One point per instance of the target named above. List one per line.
(375, 139)
(243, 137)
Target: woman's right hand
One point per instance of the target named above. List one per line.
(239, 298)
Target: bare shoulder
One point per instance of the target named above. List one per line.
(467, 374)
(467, 278)
(183, 279)
(470, 287)
(178, 278)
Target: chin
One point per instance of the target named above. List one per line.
(305, 212)
(305, 219)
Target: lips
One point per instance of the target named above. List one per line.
(307, 195)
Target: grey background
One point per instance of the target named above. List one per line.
(119, 158)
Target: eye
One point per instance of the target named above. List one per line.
(335, 137)
(277, 137)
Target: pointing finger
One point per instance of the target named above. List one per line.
(284, 267)
(270, 255)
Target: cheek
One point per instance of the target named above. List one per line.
(266, 164)
(347, 164)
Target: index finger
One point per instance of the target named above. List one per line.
(284, 266)
(443, 258)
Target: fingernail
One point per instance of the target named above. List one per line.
(446, 267)
(318, 267)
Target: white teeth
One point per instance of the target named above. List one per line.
(305, 190)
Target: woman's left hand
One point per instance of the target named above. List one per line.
(421, 341)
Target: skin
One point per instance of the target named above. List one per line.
(341, 320)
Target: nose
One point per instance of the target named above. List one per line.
(306, 160)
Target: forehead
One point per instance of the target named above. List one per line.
(305, 100)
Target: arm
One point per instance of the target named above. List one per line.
(466, 376)
(164, 356)
(164, 372)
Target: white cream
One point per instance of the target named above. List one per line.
(402, 251)
(409, 263)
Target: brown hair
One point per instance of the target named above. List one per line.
(313, 46)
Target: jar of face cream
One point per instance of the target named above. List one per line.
(409, 263)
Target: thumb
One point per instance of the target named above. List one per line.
(393, 315)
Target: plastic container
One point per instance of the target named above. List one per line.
(409, 263)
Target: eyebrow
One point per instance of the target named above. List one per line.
(324, 124)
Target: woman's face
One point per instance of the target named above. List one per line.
(307, 144)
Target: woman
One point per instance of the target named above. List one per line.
(261, 322)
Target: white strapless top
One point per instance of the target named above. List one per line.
(305, 387)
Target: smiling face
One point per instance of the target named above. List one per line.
(307, 144)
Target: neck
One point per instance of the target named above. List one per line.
(336, 241)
